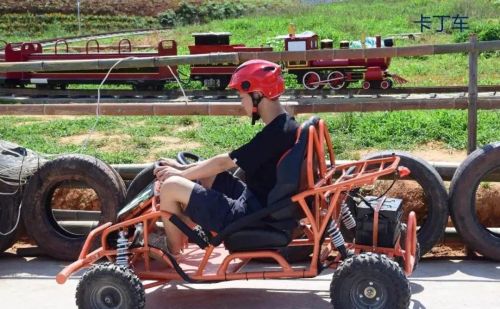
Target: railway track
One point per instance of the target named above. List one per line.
(36, 95)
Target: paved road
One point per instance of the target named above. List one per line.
(29, 283)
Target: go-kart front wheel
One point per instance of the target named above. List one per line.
(109, 286)
(369, 280)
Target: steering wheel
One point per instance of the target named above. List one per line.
(186, 158)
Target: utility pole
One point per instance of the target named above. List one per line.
(472, 109)
(78, 14)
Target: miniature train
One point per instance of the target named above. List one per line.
(313, 74)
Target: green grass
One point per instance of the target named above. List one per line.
(141, 137)
(350, 132)
(28, 27)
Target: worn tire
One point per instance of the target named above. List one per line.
(436, 201)
(119, 180)
(463, 200)
(37, 214)
(368, 272)
(144, 178)
(9, 210)
(108, 285)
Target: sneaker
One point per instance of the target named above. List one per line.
(158, 240)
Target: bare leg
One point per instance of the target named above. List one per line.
(207, 182)
(174, 196)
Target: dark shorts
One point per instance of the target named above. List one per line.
(227, 201)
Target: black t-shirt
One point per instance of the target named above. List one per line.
(259, 157)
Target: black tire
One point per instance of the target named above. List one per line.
(400, 259)
(144, 178)
(119, 180)
(463, 200)
(110, 286)
(436, 197)
(9, 212)
(37, 212)
(358, 277)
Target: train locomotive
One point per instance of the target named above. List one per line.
(314, 74)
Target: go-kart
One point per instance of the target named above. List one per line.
(315, 207)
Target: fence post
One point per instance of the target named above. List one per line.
(472, 111)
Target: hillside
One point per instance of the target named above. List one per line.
(88, 7)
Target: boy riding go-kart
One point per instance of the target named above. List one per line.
(215, 224)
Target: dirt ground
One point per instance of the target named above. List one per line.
(75, 199)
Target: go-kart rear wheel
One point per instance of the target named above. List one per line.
(108, 285)
(369, 280)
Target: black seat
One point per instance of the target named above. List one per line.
(272, 227)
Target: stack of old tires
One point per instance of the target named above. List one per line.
(464, 185)
(56, 241)
(10, 200)
(40, 219)
(12, 179)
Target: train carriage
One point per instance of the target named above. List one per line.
(140, 78)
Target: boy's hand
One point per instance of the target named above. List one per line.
(164, 172)
(169, 162)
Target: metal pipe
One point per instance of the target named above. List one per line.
(284, 56)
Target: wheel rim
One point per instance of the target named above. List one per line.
(107, 297)
(336, 80)
(384, 84)
(366, 85)
(368, 293)
(311, 80)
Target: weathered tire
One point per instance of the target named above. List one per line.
(110, 286)
(37, 214)
(463, 200)
(144, 178)
(9, 211)
(119, 180)
(436, 198)
(371, 281)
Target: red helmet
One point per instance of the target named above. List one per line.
(259, 75)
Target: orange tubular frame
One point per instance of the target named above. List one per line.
(327, 192)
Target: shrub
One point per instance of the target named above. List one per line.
(189, 13)
(485, 32)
